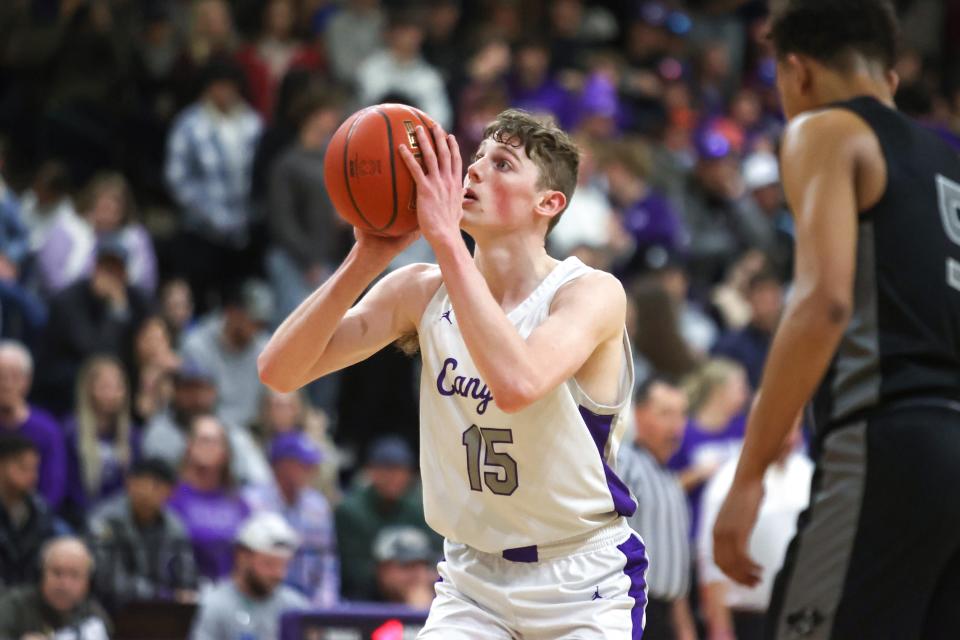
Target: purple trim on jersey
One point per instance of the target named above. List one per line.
(599, 427)
(635, 569)
(521, 554)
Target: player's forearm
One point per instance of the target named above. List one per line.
(498, 351)
(300, 341)
(799, 356)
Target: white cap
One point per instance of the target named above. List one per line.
(268, 532)
(761, 169)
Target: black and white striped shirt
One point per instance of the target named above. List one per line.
(662, 519)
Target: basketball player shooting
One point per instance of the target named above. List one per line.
(526, 377)
(874, 318)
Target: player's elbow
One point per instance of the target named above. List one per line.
(514, 397)
(829, 306)
(272, 375)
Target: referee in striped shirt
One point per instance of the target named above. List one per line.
(662, 517)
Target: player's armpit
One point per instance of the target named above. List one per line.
(585, 314)
(389, 310)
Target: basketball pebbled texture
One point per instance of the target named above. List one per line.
(366, 178)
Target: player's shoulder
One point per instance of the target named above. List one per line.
(412, 286)
(596, 290)
(829, 130)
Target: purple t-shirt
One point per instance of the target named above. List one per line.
(43, 430)
(653, 221)
(212, 519)
(702, 447)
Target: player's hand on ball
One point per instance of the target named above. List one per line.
(439, 184)
(383, 248)
(731, 533)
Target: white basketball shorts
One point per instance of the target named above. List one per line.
(588, 588)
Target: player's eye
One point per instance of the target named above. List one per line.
(502, 164)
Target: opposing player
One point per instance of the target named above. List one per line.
(526, 375)
(875, 316)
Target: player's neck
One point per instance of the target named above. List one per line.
(513, 266)
(840, 88)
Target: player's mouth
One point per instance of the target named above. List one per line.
(469, 195)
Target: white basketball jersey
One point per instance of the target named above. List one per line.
(497, 481)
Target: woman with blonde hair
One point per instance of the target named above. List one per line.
(102, 440)
(718, 394)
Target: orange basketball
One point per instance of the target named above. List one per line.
(366, 177)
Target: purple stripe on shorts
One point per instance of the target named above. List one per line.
(635, 568)
(599, 427)
(521, 554)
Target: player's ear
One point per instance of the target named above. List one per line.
(893, 80)
(551, 203)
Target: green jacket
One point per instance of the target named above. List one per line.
(359, 518)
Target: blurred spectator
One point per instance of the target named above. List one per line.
(662, 519)
(46, 205)
(314, 570)
(99, 314)
(165, 435)
(441, 47)
(194, 393)
(645, 215)
(13, 232)
(750, 344)
(483, 93)
(761, 175)
(654, 328)
(406, 567)
(19, 417)
(718, 394)
(276, 51)
(729, 298)
(715, 211)
(306, 233)
(60, 606)
(210, 35)
(389, 497)
(228, 343)
(141, 547)
(697, 328)
(733, 610)
(108, 210)
(249, 603)
(589, 219)
(102, 440)
(208, 168)
(353, 35)
(155, 362)
(176, 306)
(206, 498)
(26, 522)
(532, 87)
(286, 413)
(399, 68)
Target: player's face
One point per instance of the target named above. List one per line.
(500, 188)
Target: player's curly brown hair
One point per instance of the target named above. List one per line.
(550, 147)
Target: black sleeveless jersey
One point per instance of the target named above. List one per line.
(902, 345)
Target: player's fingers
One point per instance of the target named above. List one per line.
(426, 148)
(415, 169)
(456, 162)
(443, 150)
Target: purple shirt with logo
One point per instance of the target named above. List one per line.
(212, 519)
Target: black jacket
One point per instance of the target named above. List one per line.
(20, 548)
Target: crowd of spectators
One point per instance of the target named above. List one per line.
(162, 208)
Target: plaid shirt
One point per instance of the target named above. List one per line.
(208, 169)
(315, 570)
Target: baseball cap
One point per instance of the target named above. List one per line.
(296, 446)
(390, 451)
(192, 371)
(268, 532)
(761, 169)
(402, 544)
(155, 468)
